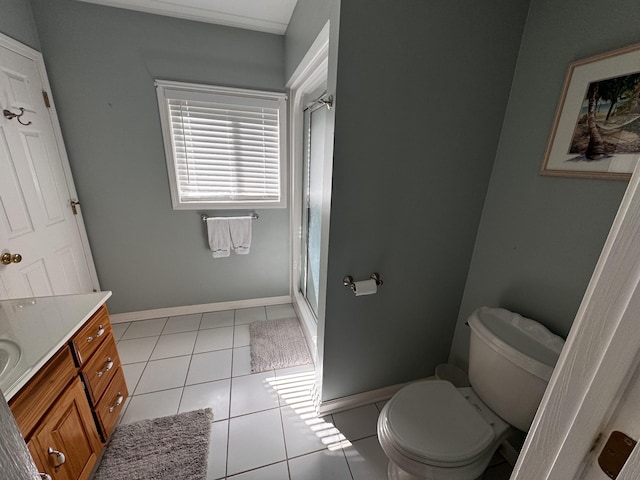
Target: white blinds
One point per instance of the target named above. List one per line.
(226, 148)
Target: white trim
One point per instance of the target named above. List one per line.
(307, 77)
(198, 15)
(309, 328)
(599, 357)
(201, 308)
(28, 52)
(359, 399)
(317, 53)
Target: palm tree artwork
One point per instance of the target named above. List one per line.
(609, 119)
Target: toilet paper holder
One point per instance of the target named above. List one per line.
(347, 281)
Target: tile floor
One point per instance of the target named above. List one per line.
(264, 425)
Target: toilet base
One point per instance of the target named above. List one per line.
(394, 472)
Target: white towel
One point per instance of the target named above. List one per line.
(240, 230)
(219, 236)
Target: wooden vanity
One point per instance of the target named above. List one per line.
(70, 404)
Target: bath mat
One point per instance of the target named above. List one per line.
(277, 344)
(168, 447)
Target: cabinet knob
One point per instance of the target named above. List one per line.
(117, 403)
(56, 458)
(107, 366)
(99, 333)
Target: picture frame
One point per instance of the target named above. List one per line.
(596, 130)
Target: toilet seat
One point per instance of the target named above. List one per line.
(432, 423)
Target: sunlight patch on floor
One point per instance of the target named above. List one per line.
(296, 391)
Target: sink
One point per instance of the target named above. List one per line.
(9, 356)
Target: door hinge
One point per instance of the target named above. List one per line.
(45, 96)
(615, 453)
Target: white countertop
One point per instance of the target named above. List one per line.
(34, 329)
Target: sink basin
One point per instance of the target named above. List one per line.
(9, 356)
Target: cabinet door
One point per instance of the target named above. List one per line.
(66, 440)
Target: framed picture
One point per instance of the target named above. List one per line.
(596, 131)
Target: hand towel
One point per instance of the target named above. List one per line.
(240, 230)
(219, 237)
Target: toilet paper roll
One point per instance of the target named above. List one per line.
(366, 287)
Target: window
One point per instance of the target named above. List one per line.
(224, 146)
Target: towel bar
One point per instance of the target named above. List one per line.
(254, 215)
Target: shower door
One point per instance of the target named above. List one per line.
(315, 120)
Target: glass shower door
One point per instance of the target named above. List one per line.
(315, 118)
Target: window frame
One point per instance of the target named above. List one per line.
(163, 91)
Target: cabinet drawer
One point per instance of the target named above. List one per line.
(35, 398)
(91, 335)
(111, 404)
(98, 371)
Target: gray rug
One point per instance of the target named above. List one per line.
(277, 344)
(174, 447)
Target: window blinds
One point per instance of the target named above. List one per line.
(226, 146)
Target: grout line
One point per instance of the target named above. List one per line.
(226, 459)
(235, 475)
(186, 376)
(284, 442)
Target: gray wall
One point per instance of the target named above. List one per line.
(16, 21)
(421, 95)
(540, 237)
(102, 62)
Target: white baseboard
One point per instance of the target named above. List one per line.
(358, 400)
(202, 308)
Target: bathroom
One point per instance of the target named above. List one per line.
(464, 222)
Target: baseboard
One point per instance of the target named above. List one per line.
(358, 400)
(202, 308)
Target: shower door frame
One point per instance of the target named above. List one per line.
(309, 78)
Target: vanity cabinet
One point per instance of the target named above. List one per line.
(68, 409)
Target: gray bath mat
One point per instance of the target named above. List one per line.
(277, 344)
(161, 448)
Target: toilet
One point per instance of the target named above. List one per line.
(432, 430)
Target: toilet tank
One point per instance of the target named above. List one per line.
(511, 359)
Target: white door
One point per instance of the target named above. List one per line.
(599, 359)
(37, 220)
(625, 419)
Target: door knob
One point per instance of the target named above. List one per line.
(8, 258)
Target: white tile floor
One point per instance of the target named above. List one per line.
(264, 426)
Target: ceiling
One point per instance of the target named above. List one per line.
(270, 16)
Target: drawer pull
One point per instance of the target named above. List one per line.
(98, 334)
(118, 402)
(107, 366)
(56, 458)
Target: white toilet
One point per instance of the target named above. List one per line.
(432, 430)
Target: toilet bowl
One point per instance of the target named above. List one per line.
(433, 430)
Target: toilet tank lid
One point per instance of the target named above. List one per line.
(526, 342)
